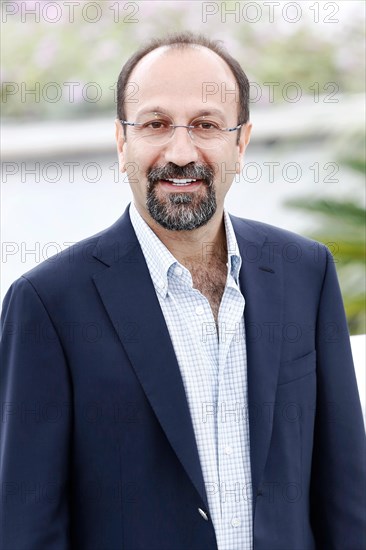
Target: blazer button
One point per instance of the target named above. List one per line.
(203, 514)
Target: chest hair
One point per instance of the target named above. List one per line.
(210, 281)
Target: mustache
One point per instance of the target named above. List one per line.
(171, 171)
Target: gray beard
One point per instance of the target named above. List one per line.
(181, 211)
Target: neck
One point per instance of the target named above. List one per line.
(206, 244)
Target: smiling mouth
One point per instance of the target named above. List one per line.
(180, 183)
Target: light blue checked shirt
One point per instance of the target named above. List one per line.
(214, 373)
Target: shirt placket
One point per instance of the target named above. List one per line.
(229, 422)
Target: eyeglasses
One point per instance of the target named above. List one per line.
(157, 129)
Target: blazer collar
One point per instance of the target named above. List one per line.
(130, 300)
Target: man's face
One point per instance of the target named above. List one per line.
(178, 85)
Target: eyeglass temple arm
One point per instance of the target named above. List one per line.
(179, 125)
(129, 123)
(232, 129)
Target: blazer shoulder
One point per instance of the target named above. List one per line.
(277, 235)
(82, 256)
(70, 267)
(298, 254)
(71, 258)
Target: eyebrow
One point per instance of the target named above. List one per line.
(201, 112)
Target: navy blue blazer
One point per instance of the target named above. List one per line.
(97, 445)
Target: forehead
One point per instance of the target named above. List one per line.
(184, 81)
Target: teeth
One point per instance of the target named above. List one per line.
(181, 181)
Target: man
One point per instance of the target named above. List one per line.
(183, 379)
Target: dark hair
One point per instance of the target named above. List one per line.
(180, 41)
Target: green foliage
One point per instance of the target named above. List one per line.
(341, 226)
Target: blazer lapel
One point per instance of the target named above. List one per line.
(130, 300)
(129, 297)
(261, 282)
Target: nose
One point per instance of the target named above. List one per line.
(180, 149)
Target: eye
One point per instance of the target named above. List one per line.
(205, 125)
(156, 124)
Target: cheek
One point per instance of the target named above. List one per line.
(139, 160)
(135, 168)
(227, 170)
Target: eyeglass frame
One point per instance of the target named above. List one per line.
(174, 126)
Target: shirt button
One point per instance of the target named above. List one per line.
(228, 450)
(236, 522)
(203, 514)
(178, 270)
(200, 310)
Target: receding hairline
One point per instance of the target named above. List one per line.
(167, 49)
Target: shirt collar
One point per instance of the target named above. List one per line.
(159, 258)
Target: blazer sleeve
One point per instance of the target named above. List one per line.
(35, 400)
(338, 485)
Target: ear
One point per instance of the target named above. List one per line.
(121, 142)
(243, 143)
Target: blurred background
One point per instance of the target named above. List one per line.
(305, 164)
